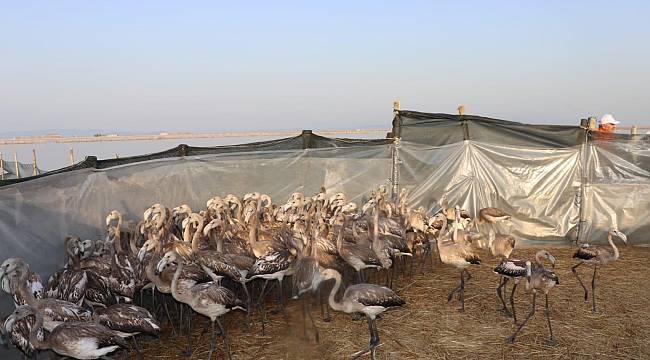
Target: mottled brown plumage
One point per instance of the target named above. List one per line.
(127, 319)
(79, 340)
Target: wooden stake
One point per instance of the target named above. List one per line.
(71, 156)
(35, 171)
(17, 168)
(592, 123)
(396, 106)
(634, 130)
(2, 167)
(461, 110)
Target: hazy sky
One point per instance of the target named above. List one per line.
(194, 65)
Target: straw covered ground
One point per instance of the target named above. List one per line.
(430, 328)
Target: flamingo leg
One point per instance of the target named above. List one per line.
(260, 305)
(512, 337)
(593, 290)
(136, 346)
(454, 290)
(280, 307)
(171, 322)
(372, 343)
(512, 302)
(328, 316)
(224, 334)
(551, 340)
(248, 305)
(313, 324)
(575, 272)
(469, 276)
(462, 291)
(304, 319)
(502, 283)
(188, 351)
(180, 321)
(213, 340)
(424, 255)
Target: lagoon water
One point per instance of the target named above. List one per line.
(52, 155)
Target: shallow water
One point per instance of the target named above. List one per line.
(53, 155)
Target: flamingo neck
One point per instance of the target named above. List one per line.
(375, 226)
(219, 241)
(133, 241)
(238, 212)
(178, 295)
(186, 234)
(614, 248)
(197, 236)
(339, 237)
(254, 230)
(117, 239)
(337, 284)
(76, 262)
(24, 289)
(441, 233)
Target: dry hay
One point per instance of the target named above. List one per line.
(430, 328)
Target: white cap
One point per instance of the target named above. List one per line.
(608, 119)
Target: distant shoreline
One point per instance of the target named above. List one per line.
(55, 138)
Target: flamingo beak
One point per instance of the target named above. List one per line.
(141, 254)
(9, 324)
(161, 266)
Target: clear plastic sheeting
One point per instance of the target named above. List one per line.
(617, 189)
(539, 187)
(36, 215)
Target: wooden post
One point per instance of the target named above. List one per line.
(634, 130)
(71, 156)
(592, 123)
(461, 110)
(2, 167)
(35, 168)
(396, 106)
(17, 168)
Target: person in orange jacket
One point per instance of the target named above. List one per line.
(606, 127)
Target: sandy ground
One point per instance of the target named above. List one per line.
(428, 327)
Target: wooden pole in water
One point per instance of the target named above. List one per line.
(2, 167)
(16, 163)
(71, 156)
(35, 171)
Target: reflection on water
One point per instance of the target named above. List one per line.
(52, 156)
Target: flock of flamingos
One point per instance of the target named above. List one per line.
(231, 254)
